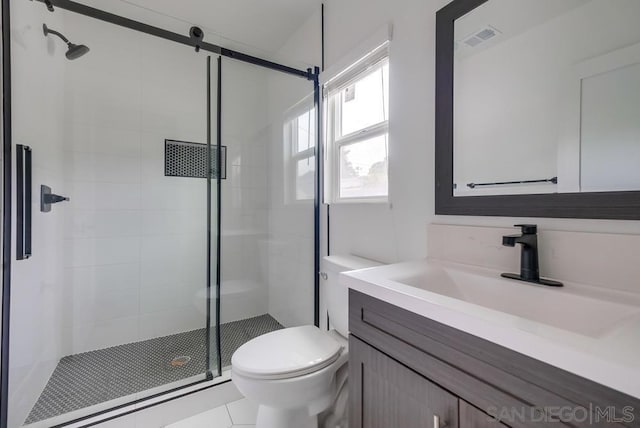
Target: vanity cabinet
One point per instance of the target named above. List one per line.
(391, 395)
(387, 394)
(408, 371)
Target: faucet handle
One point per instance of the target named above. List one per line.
(528, 229)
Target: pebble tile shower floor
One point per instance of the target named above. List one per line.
(91, 378)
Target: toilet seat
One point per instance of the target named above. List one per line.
(286, 353)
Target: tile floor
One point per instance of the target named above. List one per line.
(237, 414)
(91, 378)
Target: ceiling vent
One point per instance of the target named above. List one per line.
(480, 36)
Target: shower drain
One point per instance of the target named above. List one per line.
(180, 361)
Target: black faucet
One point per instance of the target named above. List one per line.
(529, 268)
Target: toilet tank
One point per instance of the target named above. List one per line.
(337, 295)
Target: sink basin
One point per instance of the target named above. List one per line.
(589, 331)
(578, 309)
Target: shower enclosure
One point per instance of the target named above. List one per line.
(186, 222)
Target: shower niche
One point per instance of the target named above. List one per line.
(185, 159)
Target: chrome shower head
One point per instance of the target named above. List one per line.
(73, 51)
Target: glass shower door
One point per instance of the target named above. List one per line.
(114, 303)
(268, 132)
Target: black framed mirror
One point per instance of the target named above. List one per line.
(537, 111)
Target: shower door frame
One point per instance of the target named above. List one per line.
(311, 74)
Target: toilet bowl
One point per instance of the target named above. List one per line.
(293, 373)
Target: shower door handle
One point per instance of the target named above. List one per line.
(24, 202)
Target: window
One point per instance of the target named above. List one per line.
(300, 142)
(358, 130)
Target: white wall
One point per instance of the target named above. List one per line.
(396, 232)
(37, 307)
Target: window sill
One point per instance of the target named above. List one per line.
(366, 201)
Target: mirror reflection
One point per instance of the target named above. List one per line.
(547, 97)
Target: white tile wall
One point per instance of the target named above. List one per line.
(135, 244)
(91, 224)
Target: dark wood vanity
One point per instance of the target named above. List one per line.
(408, 371)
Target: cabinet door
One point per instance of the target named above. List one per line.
(470, 417)
(386, 394)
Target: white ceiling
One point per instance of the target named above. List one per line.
(260, 24)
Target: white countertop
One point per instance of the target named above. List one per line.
(591, 332)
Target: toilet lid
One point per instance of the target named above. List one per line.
(286, 353)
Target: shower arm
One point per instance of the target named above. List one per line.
(48, 31)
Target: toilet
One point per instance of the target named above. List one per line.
(296, 373)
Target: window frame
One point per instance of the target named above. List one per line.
(333, 93)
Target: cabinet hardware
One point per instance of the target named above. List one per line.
(436, 422)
